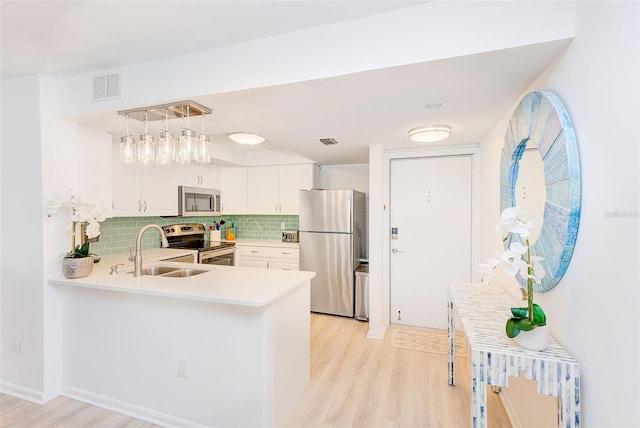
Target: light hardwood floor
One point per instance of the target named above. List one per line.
(355, 382)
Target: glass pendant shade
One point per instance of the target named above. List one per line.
(146, 150)
(169, 147)
(186, 147)
(127, 149)
(203, 148)
(166, 150)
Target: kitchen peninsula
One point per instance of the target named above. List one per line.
(226, 347)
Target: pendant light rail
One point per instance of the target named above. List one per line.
(174, 110)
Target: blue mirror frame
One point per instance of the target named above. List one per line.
(541, 119)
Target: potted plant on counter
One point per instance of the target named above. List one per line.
(85, 216)
(528, 325)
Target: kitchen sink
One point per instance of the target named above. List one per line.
(169, 271)
(183, 273)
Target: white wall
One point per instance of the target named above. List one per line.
(354, 177)
(593, 310)
(22, 255)
(395, 38)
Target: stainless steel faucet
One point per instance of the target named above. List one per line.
(137, 259)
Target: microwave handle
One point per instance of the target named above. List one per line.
(211, 203)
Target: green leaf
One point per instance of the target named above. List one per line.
(517, 324)
(82, 251)
(538, 315)
(512, 328)
(519, 312)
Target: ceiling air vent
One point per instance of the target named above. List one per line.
(106, 86)
(328, 141)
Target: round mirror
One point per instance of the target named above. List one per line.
(541, 121)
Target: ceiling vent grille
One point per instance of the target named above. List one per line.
(106, 86)
(328, 141)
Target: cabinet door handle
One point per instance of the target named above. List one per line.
(285, 252)
(145, 206)
(139, 206)
(255, 251)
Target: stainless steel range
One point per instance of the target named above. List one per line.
(191, 236)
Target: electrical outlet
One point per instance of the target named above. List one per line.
(183, 367)
(15, 343)
(282, 226)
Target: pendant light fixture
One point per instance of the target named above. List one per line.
(168, 148)
(203, 145)
(146, 145)
(187, 143)
(127, 146)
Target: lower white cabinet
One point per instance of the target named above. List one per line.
(283, 258)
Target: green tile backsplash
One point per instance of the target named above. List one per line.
(119, 233)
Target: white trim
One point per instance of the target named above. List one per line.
(377, 334)
(23, 393)
(128, 409)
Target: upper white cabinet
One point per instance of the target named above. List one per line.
(143, 190)
(233, 190)
(200, 175)
(275, 189)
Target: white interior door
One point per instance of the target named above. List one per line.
(430, 207)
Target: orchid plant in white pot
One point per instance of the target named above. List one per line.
(85, 216)
(518, 259)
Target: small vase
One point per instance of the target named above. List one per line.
(77, 267)
(535, 339)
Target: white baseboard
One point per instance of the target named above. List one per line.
(128, 409)
(376, 334)
(23, 393)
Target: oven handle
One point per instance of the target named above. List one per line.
(216, 253)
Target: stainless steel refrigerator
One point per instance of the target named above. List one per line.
(333, 238)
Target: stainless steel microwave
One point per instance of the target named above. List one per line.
(197, 201)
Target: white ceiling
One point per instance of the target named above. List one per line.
(374, 107)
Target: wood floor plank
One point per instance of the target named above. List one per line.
(355, 382)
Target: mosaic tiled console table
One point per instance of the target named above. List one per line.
(483, 311)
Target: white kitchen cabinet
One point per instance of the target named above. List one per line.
(233, 190)
(200, 175)
(283, 258)
(275, 189)
(143, 190)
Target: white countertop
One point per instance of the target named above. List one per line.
(222, 284)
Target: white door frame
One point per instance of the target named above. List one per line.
(379, 223)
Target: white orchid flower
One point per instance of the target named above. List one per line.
(92, 230)
(485, 270)
(510, 222)
(538, 269)
(512, 258)
(83, 210)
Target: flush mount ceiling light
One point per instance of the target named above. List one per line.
(246, 138)
(429, 134)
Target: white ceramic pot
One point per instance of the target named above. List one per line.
(77, 267)
(535, 339)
